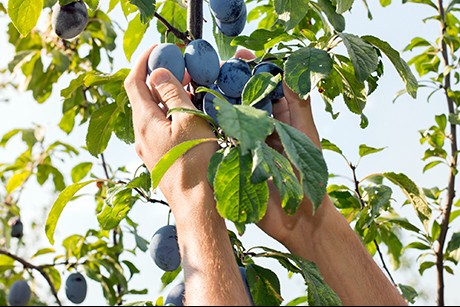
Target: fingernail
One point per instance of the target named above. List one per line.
(159, 77)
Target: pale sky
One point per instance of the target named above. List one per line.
(392, 125)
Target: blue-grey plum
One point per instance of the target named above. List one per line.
(176, 295)
(265, 104)
(76, 288)
(19, 294)
(226, 10)
(69, 20)
(202, 62)
(233, 28)
(243, 275)
(167, 56)
(273, 69)
(16, 227)
(208, 103)
(233, 76)
(164, 248)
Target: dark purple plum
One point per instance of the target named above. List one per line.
(273, 69)
(226, 10)
(208, 102)
(167, 56)
(19, 294)
(176, 295)
(265, 104)
(69, 20)
(202, 62)
(233, 76)
(16, 227)
(233, 28)
(76, 288)
(164, 248)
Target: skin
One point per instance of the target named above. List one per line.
(211, 273)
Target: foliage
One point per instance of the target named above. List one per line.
(305, 42)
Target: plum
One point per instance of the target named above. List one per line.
(16, 227)
(265, 104)
(202, 62)
(233, 28)
(164, 248)
(76, 288)
(167, 56)
(233, 76)
(176, 295)
(226, 10)
(19, 294)
(69, 20)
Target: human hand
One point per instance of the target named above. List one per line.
(298, 113)
(156, 134)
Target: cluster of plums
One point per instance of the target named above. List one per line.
(75, 290)
(68, 21)
(230, 15)
(202, 63)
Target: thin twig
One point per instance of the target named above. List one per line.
(34, 267)
(363, 204)
(177, 33)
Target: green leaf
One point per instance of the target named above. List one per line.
(43, 251)
(328, 145)
(344, 5)
(365, 150)
(408, 293)
(93, 4)
(24, 14)
(100, 128)
(308, 159)
(80, 171)
(238, 121)
(56, 210)
(133, 35)
(413, 194)
(400, 65)
(169, 277)
(142, 181)
(238, 199)
(291, 11)
(118, 204)
(262, 39)
(171, 156)
(284, 177)
(17, 180)
(258, 87)
(305, 68)
(54, 275)
(214, 164)
(336, 20)
(425, 266)
(146, 9)
(354, 93)
(176, 14)
(454, 243)
(362, 55)
(264, 286)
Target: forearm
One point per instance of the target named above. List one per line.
(211, 273)
(342, 259)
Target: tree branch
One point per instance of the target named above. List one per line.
(195, 18)
(40, 269)
(177, 33)
(453, 164)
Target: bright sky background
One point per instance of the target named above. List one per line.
(392, 125)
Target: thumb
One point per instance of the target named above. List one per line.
(169, 91)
